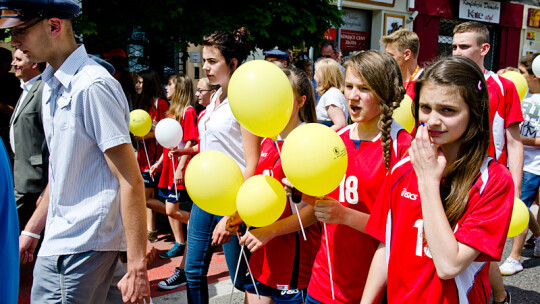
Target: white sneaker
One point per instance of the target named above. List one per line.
(536, 252)
(510, 267)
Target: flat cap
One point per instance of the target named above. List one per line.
(17, 12)
(276, 53)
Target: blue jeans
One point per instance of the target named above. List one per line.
(199, 253)
(529, 188)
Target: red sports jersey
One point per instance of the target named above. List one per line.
(190, 133)
(351, 251)
(152, 147)
(286, 261)
(504, 109)
(397, 221)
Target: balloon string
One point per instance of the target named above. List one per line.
(235, 275)
(238, 267)
(174, 170)
(299, 218)
(329, 264)
(147, 159)
(290, 199)
(247, 263)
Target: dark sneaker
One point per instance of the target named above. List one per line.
(530, 242)
(176, 280)
(152, 236)
(177, 250)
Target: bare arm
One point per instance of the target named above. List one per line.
(449, 256)
(252, 151)
(515, 156)
(257, 238)
(27, 244)
(337, 116)
(528, 141)
(149, 135)
(330, 211)
(186, 151)
(377, 276)
(121, 160)
(179, 174)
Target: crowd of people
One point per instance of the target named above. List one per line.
(419, 217)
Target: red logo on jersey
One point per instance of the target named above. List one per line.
(408, 195)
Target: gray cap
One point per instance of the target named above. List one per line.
(18, 12)
(276, 54)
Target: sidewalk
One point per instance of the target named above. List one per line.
(219, 283)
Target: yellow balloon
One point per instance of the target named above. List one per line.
(261, 201)
(140, 122)
(212, 181)
(520, 218)
(314, 159)
(404, 114)
(519, 81)
(261, 97)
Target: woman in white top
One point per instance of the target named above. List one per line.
(332, 106)
(219, 130)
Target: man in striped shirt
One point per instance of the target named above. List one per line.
(94, 207)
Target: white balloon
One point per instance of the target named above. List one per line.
(169, 133)
(536, 66)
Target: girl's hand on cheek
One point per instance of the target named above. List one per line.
(427, 159)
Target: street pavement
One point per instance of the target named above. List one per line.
(524, 286)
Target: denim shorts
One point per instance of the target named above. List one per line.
(529, 188)
(148, 181)
(181, 196)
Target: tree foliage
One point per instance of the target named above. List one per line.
(282, 23)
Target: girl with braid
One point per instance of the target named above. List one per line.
(374, 142)
(444, 210)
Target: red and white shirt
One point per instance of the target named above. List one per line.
(157, 113)
(410, 83)
(504, 110)
(189, 127)
(397, 221)
(286, 261)
(351, 251)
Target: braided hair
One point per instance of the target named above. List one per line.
(382, 76)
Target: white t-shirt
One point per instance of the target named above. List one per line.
(530, 107)
(331, 97)
(220, 131)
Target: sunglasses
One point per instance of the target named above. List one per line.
(21, 30)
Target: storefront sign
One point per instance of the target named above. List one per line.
(377, 2)
(480, 10)
(393, 23)
(350, 40)
(533, 18)
(355, 32)
(354, 40)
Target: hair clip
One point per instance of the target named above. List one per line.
(480, 85)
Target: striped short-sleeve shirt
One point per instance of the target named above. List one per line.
(85, 113)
